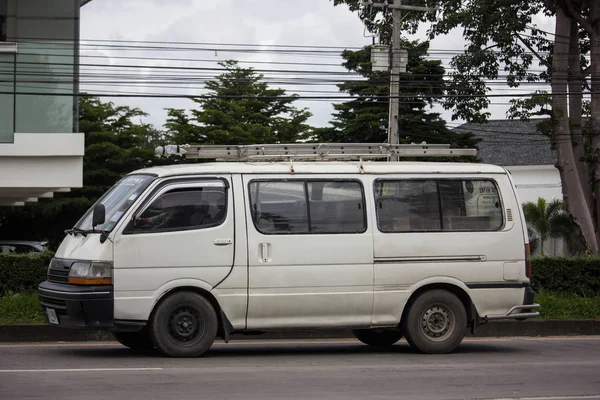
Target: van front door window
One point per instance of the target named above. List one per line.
(184, 209)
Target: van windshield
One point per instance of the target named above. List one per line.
(117, 201)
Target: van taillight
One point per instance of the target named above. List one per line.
(527, 261)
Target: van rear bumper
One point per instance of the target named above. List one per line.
(83, 307)
(520, 312)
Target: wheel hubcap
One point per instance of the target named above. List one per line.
(185, 325)
(437, 322)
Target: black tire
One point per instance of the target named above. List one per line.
(184, 325)
(378, 337)
(139, 340)
(435, 323)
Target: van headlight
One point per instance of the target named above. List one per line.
(91, 273)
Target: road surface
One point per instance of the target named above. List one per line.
(505, 368)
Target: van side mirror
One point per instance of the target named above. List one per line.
(99, 215)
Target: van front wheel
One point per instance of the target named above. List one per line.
(377, 337)
(435, 323)
(184, 325)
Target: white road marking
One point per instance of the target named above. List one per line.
(6, 371)
(586, 397)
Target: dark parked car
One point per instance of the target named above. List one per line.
(22, 247)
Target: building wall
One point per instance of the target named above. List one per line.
(40, 150)
(37, 81)
(534, 181)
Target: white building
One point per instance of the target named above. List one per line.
(41, 151)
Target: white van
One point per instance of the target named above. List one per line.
(172, 257)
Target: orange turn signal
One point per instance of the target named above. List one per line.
(90, 281)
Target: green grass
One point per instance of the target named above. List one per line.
(20, 308)
(567, 306)
(24, 308)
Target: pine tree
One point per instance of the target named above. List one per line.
(240, 108)
(365, 117)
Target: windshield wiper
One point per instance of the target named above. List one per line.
(83, 232)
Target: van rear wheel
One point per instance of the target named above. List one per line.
(435, 323)
(378, 337)
(184, 325)
(139, 340)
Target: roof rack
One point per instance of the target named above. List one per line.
(312, 151)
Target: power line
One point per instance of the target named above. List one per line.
(68, 91)
(277, 49)
(262, 97)
(317, 50)
(224, 46)
(68, 41)
(185, 68)
(515, 135)
(202, 60)
(29, 67)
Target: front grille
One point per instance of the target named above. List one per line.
(59, 270)
(58, 276)
(53, 303)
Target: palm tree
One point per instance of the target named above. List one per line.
(547, 220)
(534, 242)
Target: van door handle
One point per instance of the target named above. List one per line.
(264, 249)
(222, 242)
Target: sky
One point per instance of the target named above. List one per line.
(198, 27)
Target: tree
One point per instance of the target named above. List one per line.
(181, 128)
(548, 220)
(116, 144)
(534, 242)
(501, 36)
(239, 108)
(365, 117)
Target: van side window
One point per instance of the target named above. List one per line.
(279, 207)
(184, 209)
(336, 207)
(404, 206)
(313, 207)
(437, 205)
(470, 206)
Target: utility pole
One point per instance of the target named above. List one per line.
(398, 58)
(394, 118)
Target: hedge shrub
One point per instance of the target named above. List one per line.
(575, 275)
(23, 271)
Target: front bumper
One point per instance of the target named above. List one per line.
(520, 312)
(84, 307)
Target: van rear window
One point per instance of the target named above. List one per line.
(437, 205)
(307, 207)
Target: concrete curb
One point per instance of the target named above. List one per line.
(48, 333)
